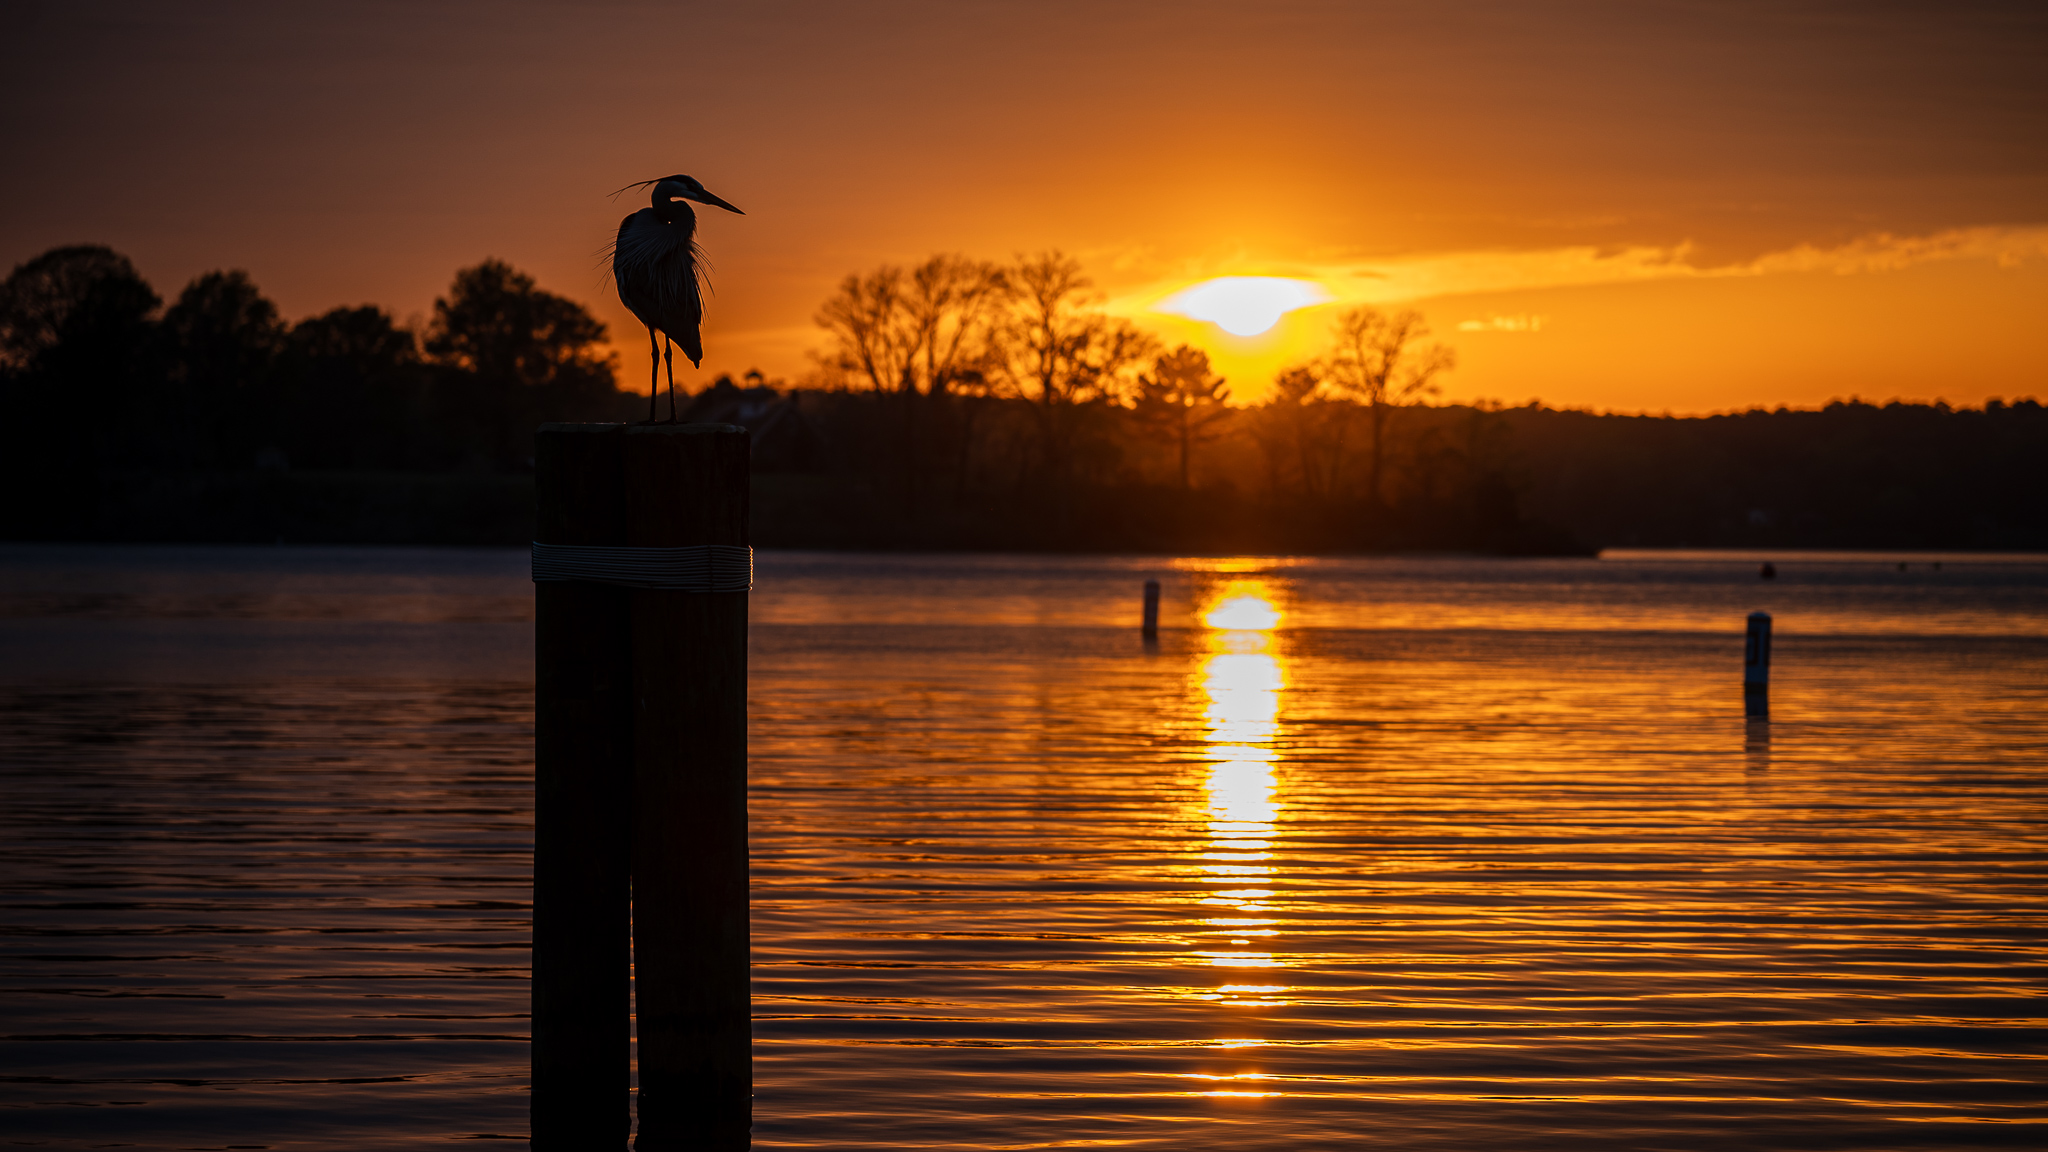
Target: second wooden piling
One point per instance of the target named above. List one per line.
(1151, 626)
(686, 485)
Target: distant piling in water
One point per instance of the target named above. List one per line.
(1151, 625)
(1756, 665)
(641, 573)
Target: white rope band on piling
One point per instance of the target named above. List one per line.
(697, 568)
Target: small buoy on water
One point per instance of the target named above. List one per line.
(1769, 571)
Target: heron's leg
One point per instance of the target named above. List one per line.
(653, 372)
(670, 355)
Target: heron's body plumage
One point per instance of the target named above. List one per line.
(657, 266)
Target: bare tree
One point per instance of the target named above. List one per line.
(955, 307)
(952, 307)
(1060, 352)
(924, 329)
(923, 335)
(1182, 401)
(1373, 364)
(867, 321)
(1302, 424)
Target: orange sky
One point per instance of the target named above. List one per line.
(1684, 206)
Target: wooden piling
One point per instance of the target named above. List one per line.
(1756, 665)
(583, 772)
(1151, 626)
(686, 484)
(1756, 650)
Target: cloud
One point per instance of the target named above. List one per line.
(1504, 324)
(1472, 273)
(1408, 279)
(2006, 247)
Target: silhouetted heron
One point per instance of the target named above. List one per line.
(655, 261)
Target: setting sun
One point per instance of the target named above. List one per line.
(1244, 305)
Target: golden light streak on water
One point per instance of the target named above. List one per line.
(1242, 679)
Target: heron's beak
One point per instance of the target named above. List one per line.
(708, 198)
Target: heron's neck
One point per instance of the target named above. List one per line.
(676, 212)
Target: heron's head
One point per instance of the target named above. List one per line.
(672, 188)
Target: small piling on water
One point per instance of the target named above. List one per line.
(1756, 665)
(583, 779)
(1151, 625)
(687, 485)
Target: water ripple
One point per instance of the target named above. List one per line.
(1301, 884)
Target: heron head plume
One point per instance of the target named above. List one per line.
(679, 187)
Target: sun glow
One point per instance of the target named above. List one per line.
(1244, 305)
(1242, 612)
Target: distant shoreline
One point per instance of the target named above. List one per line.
(16, 548)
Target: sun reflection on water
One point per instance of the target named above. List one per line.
(1242, 678)
(1242, 606)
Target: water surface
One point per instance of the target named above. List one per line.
(1364, 853)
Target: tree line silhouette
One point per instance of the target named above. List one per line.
(955, 403)
(109, 394)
